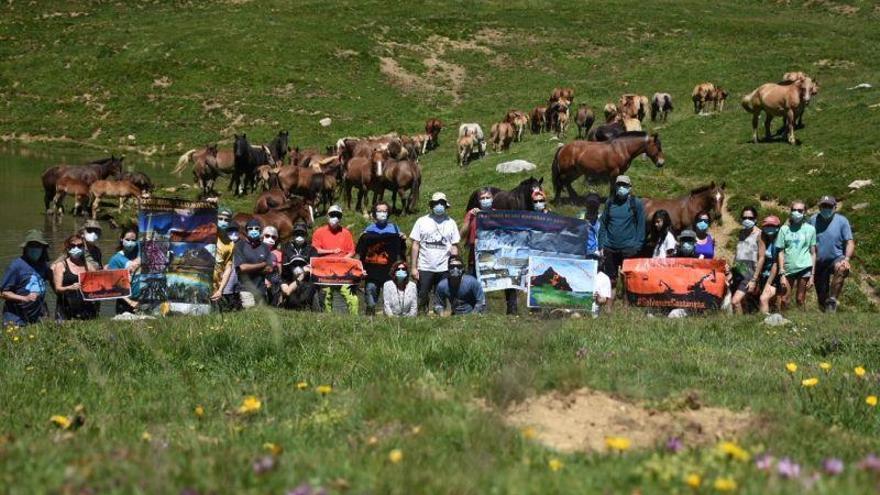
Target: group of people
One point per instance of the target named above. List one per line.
(772, 261)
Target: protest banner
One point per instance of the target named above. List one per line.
(336, 270)
(561, 282)
(687, 283)
(105, 284)
(178, 240)
(506, 239)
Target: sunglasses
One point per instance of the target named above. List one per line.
(251, 229)
(335, 215)
(748, 218)
(80, 245)
(800, 210)
(223, 218)
(270, 236)
(93, 231)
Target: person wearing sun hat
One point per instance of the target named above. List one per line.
(91, 232)
(835, 249)
(435, 238)
(24, 283)
(768, 283)
(223, 254)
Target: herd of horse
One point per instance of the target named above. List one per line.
(294, 183)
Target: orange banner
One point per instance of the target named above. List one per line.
(675, 282)
(105, 284)
(335, 270)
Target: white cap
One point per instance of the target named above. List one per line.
(334, 209)
(270, 230)
(439, 196)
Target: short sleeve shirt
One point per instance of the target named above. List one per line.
(831, 236)
(796, 243)
(324, 238)
(247, 254)
(602, 288)
(435, 236)
(22, 278)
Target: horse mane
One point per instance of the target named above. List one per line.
(787, 83)
(631, 134)
(703, 188)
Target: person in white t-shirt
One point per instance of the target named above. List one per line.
(602, 293)
(434, 239)
(661, 236)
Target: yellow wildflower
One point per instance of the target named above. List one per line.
(145, 436)
(825, 366)
(810, 382)
(617, 443)
(273, 448)
(528, 433)
(693, 480)
(199, 411)
(323, 389)
(302, 385)
(416, 430)
(725, 484)
(859, 371)
(62, 422)
(555, 464)
(395, 456)
(734, 451)
(250, 405)
(871, 400)
(791, 367)
(373, 440)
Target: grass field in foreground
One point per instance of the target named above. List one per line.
(412, 385)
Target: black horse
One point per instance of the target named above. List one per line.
(280, 146)
(247, 159)
(606, 132)
(518, 198)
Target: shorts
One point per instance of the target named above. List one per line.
(743, 273)
(774, 283)
(805, 273)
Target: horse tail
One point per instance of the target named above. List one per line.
(747, 102)
(556, 174)
(183, 161)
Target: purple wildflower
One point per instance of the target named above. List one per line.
(674, 445)
(264, 464)
(306, 489)
(832, 466)
(788, 468)
(764, 462)
(870, 463)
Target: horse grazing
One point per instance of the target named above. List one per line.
(718, 97)
(519, 121)
(139, 179)
(602, 159)
(74, 187)
(661, 105)
(433, 126)
(282, 218)
(560, 94)
(502, 135)
(554, 111)
(122, 189)
(701, 95)
(365, 174)
(584, 120)
(633, 106)
(610, 111)
(88, 173)
(518, 198)
(401, 176)
(538, 119)
(683, 210)
(247, 159)
(801, 76)
(607, 132)
(777, 100)
(222, 161)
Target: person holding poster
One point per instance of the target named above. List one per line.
(435, 238)
(378, 247)
(622, 232)
(468, 230)
(127, 258)
(65, 276)
(335, 240)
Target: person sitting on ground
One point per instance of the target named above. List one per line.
(661, 240)
(622, 232)
(435, 238)
(299, 292)
(750, 251)
(335, 240)
(381, 244)
(601, 293)
(128, 258)
(399, 294)
(591, 214)
(273, 278)
(227, 296)
(252, 262)
(687, 244)
(468, 230)
(462, 292)
(70, 304)
(23, 287)
(705, 248)
(769, 282)
(797, 255)
(91, 232)
(835, 249)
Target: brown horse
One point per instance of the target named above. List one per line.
(223, 161)
(88, 173)
(269, 200)
(701, 95)
(538, 118)
(501, 135)
(122, 189)
(205, 171)
(74, 187)
(282, 218)
(633, 106)
(519, 121)
(401, 176)
(561, 93)
(584, 120)
(718, 97)
(777, 100)
(814, 90)
(466, 146)
(606, 159)
(365, 175)
(683, 210)
(433, 126)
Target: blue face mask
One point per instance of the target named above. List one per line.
(254, 234)
(222, 224)
(623, 191)
(702, 225)
(439, 209)
(748, 224)
(75, 252)
(129, 245)
(771, 232)
(233, 236)
(826, 213)
(400, 275)
(34, 253)
(797, 216)
(486, 203)
(687, 248)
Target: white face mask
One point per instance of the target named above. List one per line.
(91, 236)
(539, 206)
(299, 240)
(268, 241)
(382, 216)
(233, 236)
(333, 221)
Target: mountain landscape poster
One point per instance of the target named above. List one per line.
(561, 282)
(105, 284)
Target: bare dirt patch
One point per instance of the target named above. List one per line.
(582, 420)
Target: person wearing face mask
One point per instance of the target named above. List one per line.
(400, 295)
(591, 214)
(128, 258)
(335, 240)
(705, 242)
(435, 238)
(797, 255)
(252, 261)
(661, 240)
(539, 202)
(462, 292)
(768, 282)
(622, 228)
(378, 247)
(91, 232)
(223, 253)
(226, 294)
(70, 304)
(687, 244)
(298, 290)
(468, 230)
(23, 287)
(749, 256)
(835, 249)
(273, 278)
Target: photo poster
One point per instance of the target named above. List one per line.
(566, 283)
(506, 240)
(688, 283)
(336, 270)
(105, 284)
(178, 242)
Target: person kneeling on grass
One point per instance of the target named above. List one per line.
(462, 292)
(299, 292)
(400, 295)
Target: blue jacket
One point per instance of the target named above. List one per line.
(470, 298)
(623, 225)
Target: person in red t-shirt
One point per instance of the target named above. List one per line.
(335, 240)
